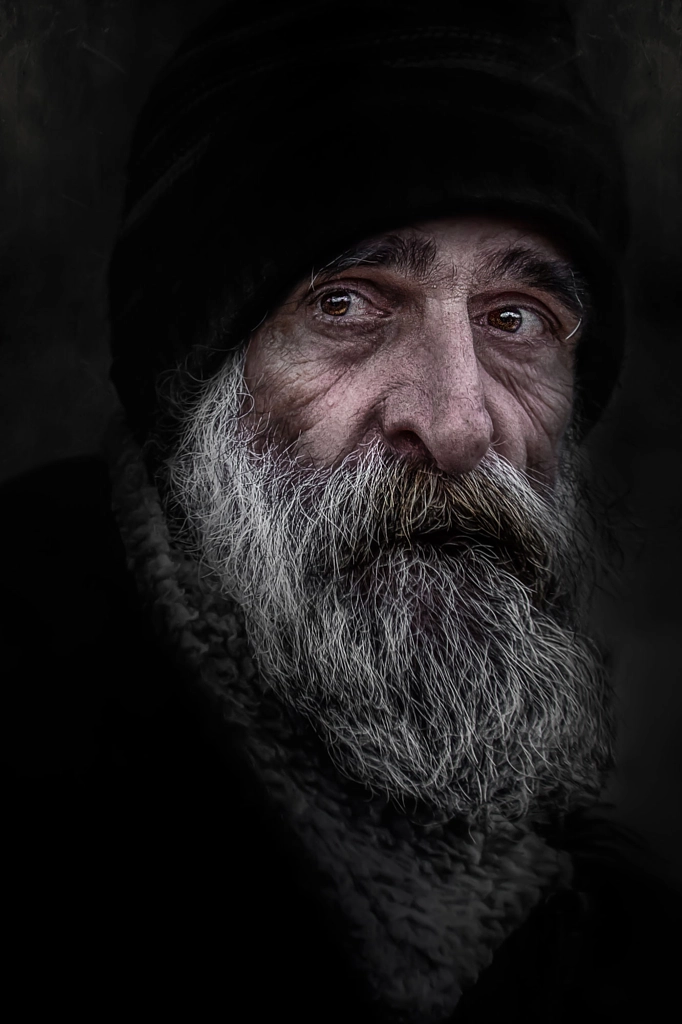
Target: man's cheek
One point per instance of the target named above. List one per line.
(547, 402)
(546, 410)
(544, 393)
(313, 398)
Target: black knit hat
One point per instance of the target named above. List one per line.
(282, 133)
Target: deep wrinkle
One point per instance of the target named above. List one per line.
(419, 360)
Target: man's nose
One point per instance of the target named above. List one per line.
(436, 408)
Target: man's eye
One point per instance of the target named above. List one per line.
(517, 320)
(336, 303)
(348, 307)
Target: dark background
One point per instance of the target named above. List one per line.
(73, 74)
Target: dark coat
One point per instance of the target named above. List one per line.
(143, 883)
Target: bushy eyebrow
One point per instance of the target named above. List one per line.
(417, 258)
(532, 268)
(411, 256)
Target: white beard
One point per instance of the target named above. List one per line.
(445, 675)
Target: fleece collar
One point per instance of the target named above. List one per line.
(420, 909)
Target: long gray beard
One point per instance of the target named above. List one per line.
(426, 626)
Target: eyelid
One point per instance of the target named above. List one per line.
(523, 300)
(552, 326)
(330, 290)
(332, 287)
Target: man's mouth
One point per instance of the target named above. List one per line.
(448, 541)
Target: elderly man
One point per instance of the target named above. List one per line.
(348, 724)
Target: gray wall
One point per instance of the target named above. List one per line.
(73, 73)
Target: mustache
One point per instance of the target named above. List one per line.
(377, 502)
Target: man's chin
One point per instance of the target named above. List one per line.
(437, 681)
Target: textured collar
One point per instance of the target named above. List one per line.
(420, 909)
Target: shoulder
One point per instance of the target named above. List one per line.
(87, 694)
(626, 944)
(604, 950)
(71, 628)
(61, 552)
(61, 537)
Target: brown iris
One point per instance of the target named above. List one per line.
(505, 319)
(336, 304)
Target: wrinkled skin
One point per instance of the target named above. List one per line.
(442, 360)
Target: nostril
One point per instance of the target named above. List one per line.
(408, 444)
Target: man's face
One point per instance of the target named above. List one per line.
(442, 340)
(382, 482)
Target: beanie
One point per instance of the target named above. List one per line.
(281, 133)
